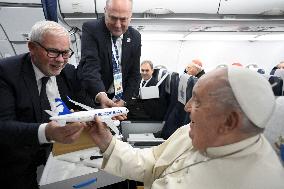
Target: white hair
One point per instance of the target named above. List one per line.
(225, 97)
(41, 28)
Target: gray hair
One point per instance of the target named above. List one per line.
(109, 1)
(224, 96)
(43, 27)
(149, 62)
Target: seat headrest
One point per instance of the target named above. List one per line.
(182, 86)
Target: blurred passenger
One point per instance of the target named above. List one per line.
(237, 64)
(146, 72)
(223, 147)
(278, 66)
(147, 109)
(195, 68)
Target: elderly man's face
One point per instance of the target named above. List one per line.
(191, 69)
(146, 71)
(206, 115)
(118, 16)
(41, 52)
(281, 65)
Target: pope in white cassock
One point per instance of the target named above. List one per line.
(222, 148)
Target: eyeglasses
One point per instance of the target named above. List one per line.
(54, 53)
(147, 70)
(114, 19)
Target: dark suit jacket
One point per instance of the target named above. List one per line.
(154, 109)
(20, 117)
(96, 63)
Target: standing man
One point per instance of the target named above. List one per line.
(111, 50)
(29, 83)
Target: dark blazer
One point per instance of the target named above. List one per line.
(156, 107)
(148, 109)
(20, 117)
(96, 66)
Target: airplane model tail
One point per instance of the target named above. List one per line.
(60, 108)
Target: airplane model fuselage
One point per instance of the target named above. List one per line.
(62, 115)
(84, 116)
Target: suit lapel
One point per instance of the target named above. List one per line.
(152, 82)
(62, 88)
(31, 84)
(125, 50)
(108, 45)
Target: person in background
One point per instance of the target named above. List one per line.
(223, 146)
(194, 68)
(278, 66)
(237, 64)
(150, 109)
(147, 70)
(111, 49)
(29, 84)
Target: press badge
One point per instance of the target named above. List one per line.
(117, 82)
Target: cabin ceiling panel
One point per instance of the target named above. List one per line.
(2, 34)
(6, 49)
(26, 17)
(77, 6)
(275, 7)
(21, 1)
(176, 6)
(208, 25)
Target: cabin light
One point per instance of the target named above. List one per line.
(157, 36)
(271, 37)
(220, 37)
(159, 10)
(162, 36)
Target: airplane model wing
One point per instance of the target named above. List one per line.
(80, 104)
(111, 124)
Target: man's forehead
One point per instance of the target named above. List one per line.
(145, 66)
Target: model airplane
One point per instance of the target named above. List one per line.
(62, 114)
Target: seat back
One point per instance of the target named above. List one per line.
(274, 128)
(159, 73)
(171, 89)
(276, 84)
(280, 73)
(177, 116)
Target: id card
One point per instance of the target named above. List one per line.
(117, 82)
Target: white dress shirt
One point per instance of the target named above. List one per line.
(52, 92)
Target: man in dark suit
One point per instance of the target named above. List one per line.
(106, 40)
(25, 131)
(150, 109)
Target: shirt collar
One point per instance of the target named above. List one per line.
(147, 80)
(39, 74)
(118, 38)
(222, 150)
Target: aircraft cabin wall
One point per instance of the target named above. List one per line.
(16, 22)
(176, 54)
